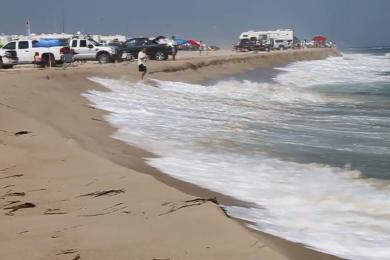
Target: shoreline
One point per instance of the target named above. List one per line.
(62, 106)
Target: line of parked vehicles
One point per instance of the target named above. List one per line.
(82, 48)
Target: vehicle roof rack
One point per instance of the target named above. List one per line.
(76, 36)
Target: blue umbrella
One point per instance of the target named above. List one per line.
(180, 41)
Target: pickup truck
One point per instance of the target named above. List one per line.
(26, 49)
(155, 50)
(8, 58)
(88, 49)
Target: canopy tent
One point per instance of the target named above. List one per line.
(163, 39)
(319, 38)
(193, 42)
(180, 41)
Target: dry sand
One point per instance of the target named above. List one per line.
(69, 191)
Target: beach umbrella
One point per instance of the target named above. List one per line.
(180, 41)
(319, 38)
(193, 42)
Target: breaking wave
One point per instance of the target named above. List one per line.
(284, 146)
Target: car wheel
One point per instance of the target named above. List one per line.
(103, 58)
(160, 56)
(1, 64)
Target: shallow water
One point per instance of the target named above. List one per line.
(310, 146)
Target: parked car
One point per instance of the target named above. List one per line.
(155, 50)
(25, 51)
(8, 58)
(251, 45)
(283, 44)
(88, 49)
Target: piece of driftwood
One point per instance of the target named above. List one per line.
(68, 251)
(22, 133)
(54, 212)
(189, 203)
(15, 194)
(20, 206)
(104, 193)
(12, 176)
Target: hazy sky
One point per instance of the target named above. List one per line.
(348, 22)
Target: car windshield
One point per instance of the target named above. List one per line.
(94, 42)
(10, 46)
(150, 42)
(130, 43)
(246, 41)
(139, 42)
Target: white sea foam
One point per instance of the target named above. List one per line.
(218, 137)
(370, 48)
(351, 68)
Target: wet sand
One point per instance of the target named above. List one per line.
(68, 190)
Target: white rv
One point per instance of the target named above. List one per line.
(281, 38)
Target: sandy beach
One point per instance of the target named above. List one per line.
(70, 191)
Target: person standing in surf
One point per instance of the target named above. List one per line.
(142, 57)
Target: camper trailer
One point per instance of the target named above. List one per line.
(279, 39)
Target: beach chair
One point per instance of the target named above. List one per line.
(67, 59)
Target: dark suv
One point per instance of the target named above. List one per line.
(252, 45)
(154, 50)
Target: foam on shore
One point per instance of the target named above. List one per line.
(220, 137)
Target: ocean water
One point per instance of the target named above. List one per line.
(309, 145)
